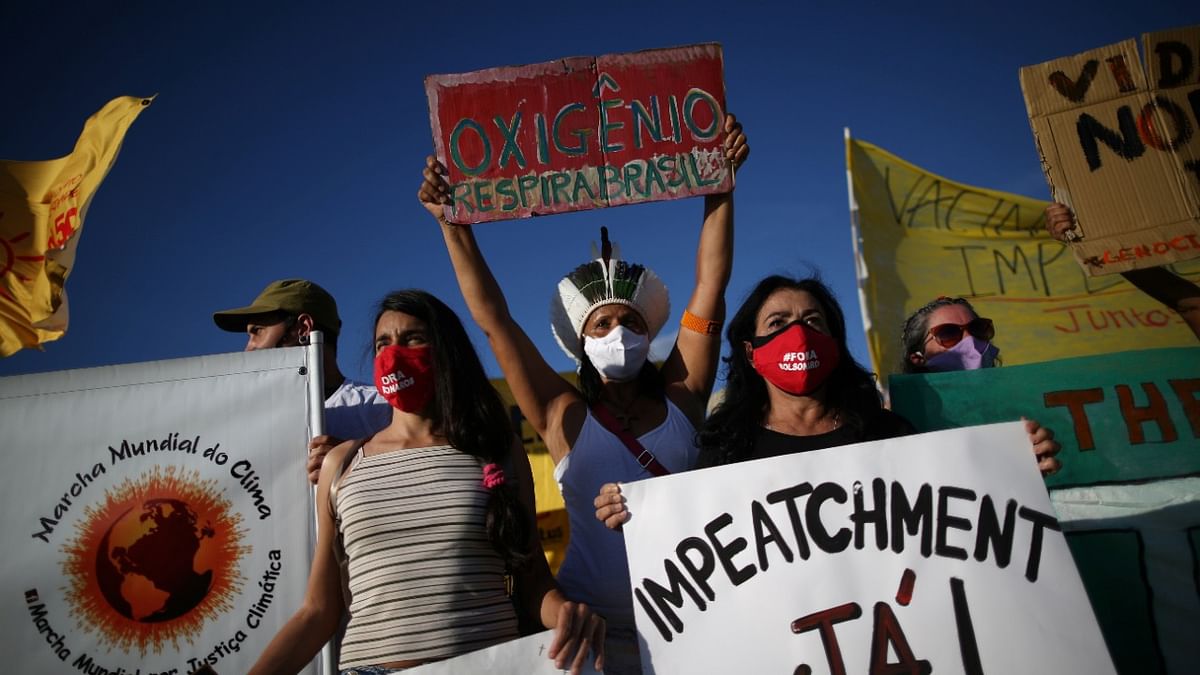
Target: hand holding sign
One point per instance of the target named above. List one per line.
(610, 506)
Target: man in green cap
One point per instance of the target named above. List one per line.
(283, 315)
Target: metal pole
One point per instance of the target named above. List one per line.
(316, 426)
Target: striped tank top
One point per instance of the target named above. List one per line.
(424, 581)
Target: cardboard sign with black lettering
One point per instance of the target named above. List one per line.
(1122, 150)
(936, 552)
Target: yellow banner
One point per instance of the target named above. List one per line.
(920, 236)
(42, 207)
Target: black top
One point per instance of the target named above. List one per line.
(877, 426)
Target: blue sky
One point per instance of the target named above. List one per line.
(287, 139)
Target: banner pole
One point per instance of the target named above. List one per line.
(316, 426)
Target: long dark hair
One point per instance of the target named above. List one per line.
(468, 412)
(916, 328)
(729, 433)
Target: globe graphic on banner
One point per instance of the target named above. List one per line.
(145, 565)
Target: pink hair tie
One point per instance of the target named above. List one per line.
(493, 476)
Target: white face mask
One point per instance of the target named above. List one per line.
(619, 355)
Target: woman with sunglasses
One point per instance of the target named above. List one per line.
(945, 335)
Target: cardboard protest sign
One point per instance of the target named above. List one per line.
(928, 553)
(526, 656)
(157, 515)
(581, 133)
(1127, 494)
(1122, 150)
(920, 236)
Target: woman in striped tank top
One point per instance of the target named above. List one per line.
(431, 512)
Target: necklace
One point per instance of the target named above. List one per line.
(624, 417)
(835, 422)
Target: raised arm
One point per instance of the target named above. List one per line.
(544, 397)
(295, 645)
(692, 366)
(1159, 283)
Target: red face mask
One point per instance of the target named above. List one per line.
(404, 376)
(796, 358)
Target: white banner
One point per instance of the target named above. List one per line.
(157, 515)
(526, 656)
(937, 552)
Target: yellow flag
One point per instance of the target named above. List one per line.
(42, 207)
(920, 236)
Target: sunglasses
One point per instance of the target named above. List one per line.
(950, 334)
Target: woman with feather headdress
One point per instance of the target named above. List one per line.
(628, 419)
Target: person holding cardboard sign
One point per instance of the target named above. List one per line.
(1172, 290)
(629, 419)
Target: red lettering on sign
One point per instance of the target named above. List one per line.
(1187, 391)
(1154, 411)
(1075, 400)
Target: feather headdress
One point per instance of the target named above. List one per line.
(605, 280)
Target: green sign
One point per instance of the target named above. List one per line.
(1122, 417)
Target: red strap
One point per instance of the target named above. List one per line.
(640, 455)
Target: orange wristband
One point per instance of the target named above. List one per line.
(702, 326)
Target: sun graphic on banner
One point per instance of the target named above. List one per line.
(9, 259)
(156, 561)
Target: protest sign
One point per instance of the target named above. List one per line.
(1123, 151)
(920, 236)
(157, 516)
(581, 133)
(526, 656)
(1127, 496)
(920, 554)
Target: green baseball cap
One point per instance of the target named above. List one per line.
(293, 296)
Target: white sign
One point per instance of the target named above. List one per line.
(939, 552)
(156, 515)
(526, 656)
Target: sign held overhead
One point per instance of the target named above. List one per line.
(581, 133)
(1121, 146)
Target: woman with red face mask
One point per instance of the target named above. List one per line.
(420, 524)
(792, 386)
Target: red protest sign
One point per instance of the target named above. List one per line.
(581, 133)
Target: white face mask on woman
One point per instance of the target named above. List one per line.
(619, 355)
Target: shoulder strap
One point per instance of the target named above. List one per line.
(640, 454)
(337, 476)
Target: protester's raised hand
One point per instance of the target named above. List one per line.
(434, 192)
(318, 447)
(1060, 222)
(577, 631)
(737, 149)
(610, 506)
(1044, 447)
